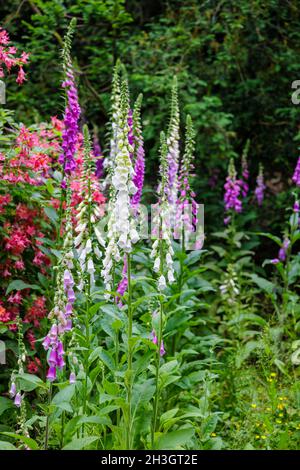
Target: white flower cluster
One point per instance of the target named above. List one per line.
(230, 287)
(122, 233)
(87, 216)
(165, 262)
(115, 111)
(173, 150)
(162, 251)
(84, 243)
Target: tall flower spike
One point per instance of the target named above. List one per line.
(296, 175)
(88, 237)
(99, 172)
(260, 186)
(121, 232)
(232, 192)
(186, 197)
(64, 299)
(162, 251)
(245, 170)
(139, 154)
(72, 111)
(114, 122)
(173, 148)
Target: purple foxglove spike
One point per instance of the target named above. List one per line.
(296, 176)
(70, 133)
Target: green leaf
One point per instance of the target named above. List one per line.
(29, 382)
(31, 443)
(265, 285)
(168, 415)
(65, 395)
(20, 285)
(5, 404)
(51, 213)
(81, 443)
(4, 445)
(272, 237)
(175, 439)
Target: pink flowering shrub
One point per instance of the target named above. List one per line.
(9, 58)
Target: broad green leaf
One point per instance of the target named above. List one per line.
(64, 395)
(20, 285)
(4, 445)
(5, 404)
(29, 382)
(31, 443)
(264, 284)
(175, 439)
(81, 443)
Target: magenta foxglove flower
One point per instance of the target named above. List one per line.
(51, 375)
(296, 207)
(232, 190)
(162, 351)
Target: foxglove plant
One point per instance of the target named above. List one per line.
(139, 154)
(64, 299)
(260, 186)
(114, 122)
(173, 150)
(296, 175)
(232, 193)
(245, 170)
(184, 224)
(135, 139)
(162, 254)
(121, 231)
(88, 237)
(72, 111)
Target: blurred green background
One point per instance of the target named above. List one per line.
(235, 62)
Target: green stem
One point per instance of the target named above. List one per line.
(129, 356)
(48, 418)
(62, 429)
(157, 364)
